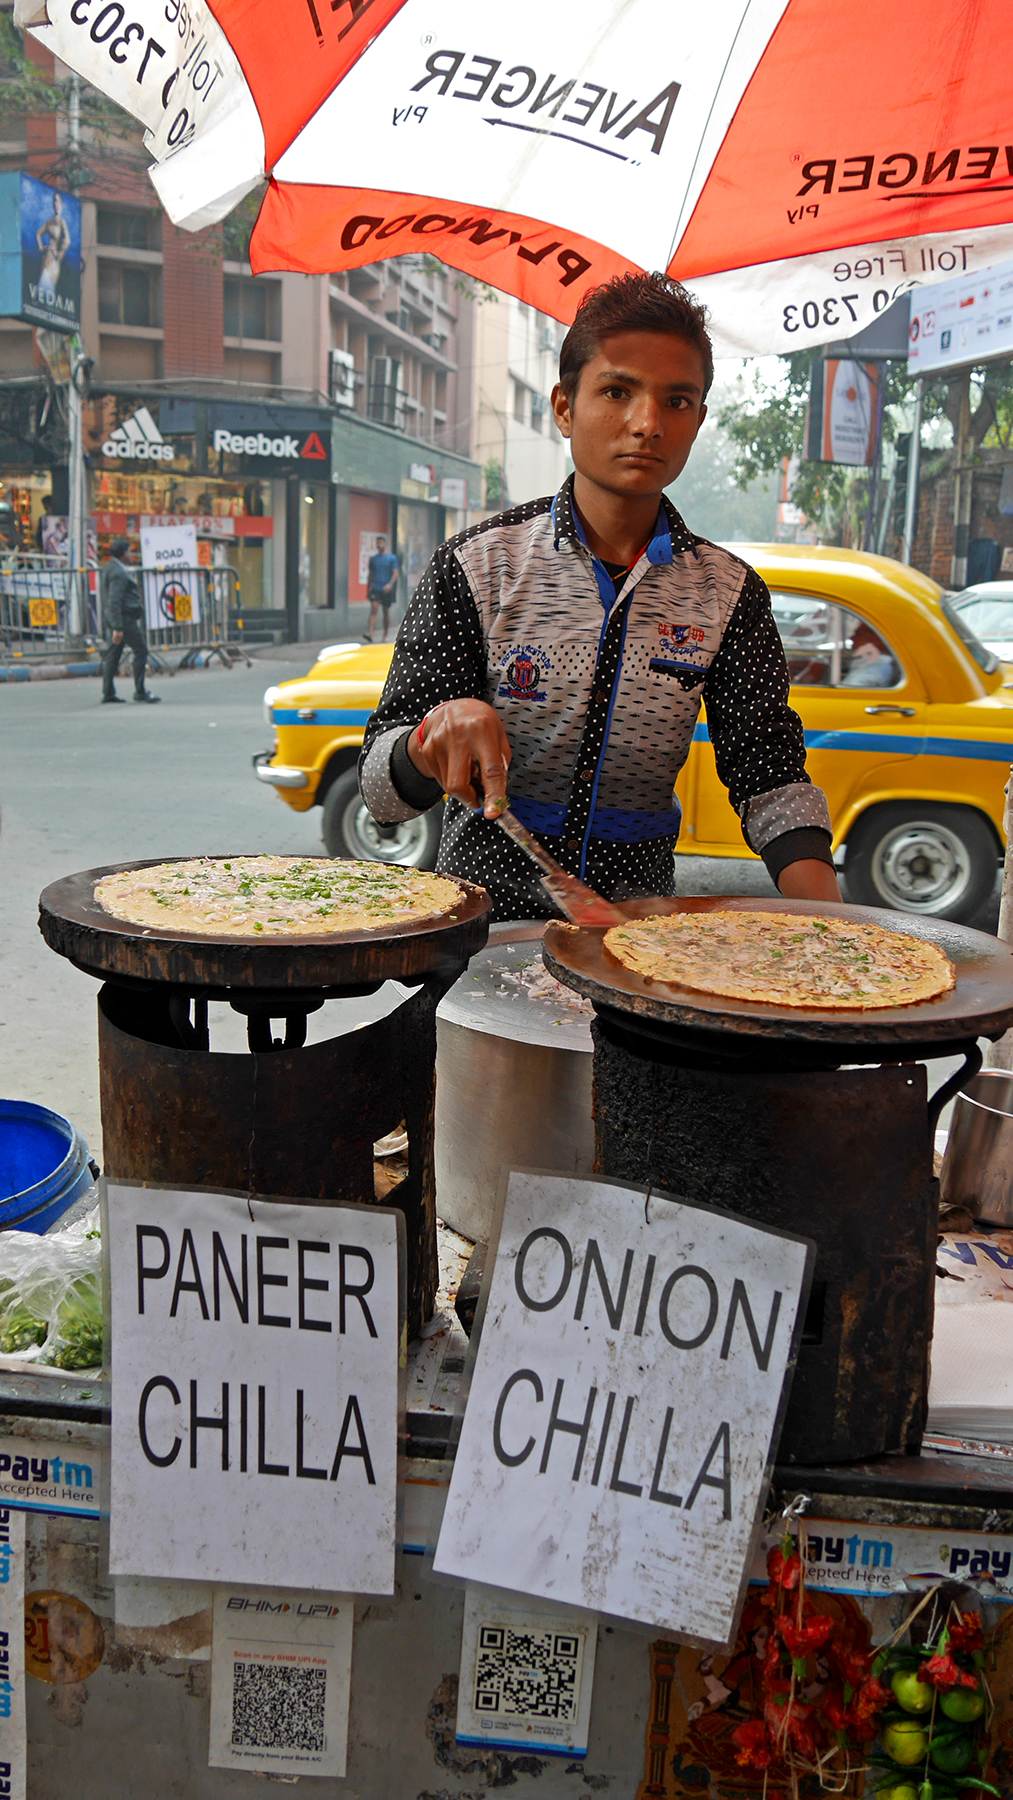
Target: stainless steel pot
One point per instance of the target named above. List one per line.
(513, 1082)
(978, 1164)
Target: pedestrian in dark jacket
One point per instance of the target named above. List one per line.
(123, 619)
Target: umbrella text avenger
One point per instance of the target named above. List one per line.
(798, 165)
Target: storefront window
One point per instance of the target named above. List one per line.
(417, 539)
(313, 542)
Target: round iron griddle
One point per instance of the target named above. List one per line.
(76, 926)
(981, 1004)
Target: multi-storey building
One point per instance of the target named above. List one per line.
(295, 418)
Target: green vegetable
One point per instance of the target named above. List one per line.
(79, 1326)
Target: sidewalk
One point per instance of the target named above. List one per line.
(27, 668)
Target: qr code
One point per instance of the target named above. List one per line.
(532, 1673)
(275, 1707)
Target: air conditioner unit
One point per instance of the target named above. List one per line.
(540, 405)
(547, 339)
(342, 378)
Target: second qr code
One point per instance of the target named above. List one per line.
(533, 1674)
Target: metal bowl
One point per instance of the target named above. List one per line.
(978, 1163)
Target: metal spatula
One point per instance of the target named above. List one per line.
(575, 899)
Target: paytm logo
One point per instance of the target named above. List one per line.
(257, 443)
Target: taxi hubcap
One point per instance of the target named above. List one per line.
(403, 843)
(921, 867)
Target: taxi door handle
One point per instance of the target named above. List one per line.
(906, 712)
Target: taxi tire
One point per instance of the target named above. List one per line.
(349, 831)
(884, 841)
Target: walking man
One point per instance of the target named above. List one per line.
(381, 584)
(123, 619)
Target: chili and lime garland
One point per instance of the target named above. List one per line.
(928, 1704)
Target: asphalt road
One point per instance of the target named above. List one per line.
(83, 785)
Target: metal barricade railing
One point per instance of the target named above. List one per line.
(193, 607)
(35, 605)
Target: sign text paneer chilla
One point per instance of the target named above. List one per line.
(244, 1436)
(254, 1370)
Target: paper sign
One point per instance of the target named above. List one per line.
(42, 1475)
(866, 1558)
(281, 1666)
(255, 1390)
(171, 588)
(527, 1672)
(12, 1653)
(628, 1383)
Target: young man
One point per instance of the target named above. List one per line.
(381, 587)
(571, 642)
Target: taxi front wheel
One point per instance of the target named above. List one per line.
(922, 858)
(349, 829)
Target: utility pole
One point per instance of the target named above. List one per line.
(913, 473)
(962, 487)
(77, 529)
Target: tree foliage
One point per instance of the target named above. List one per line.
(766, 424)
(104, 125)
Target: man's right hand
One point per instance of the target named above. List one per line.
(117, 637)
(457, 736)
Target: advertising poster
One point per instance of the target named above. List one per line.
(969, 320)
(841, 425)
(50, 256)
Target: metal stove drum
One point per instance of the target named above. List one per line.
(288, 1118)
(814, 1121)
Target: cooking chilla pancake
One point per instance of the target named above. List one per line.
(784, 959)
(274, 896)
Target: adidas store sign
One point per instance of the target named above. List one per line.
(138, 439)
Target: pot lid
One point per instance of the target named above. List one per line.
(507, 992)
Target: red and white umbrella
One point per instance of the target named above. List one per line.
(798, 164)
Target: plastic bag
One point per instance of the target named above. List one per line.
(51, 1295)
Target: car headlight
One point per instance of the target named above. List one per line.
(270, 698)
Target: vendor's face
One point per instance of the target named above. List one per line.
(636, 412)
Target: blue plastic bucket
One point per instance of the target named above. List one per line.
(43, 1166)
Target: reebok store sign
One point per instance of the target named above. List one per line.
(285, 447)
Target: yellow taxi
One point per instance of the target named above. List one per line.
(908, 725)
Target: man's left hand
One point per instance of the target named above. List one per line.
(808, 879)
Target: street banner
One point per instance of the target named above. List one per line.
(624, 1404)
(967, 320)
(841, 424)
(254, 1389)
(171, 583)
(40, 253)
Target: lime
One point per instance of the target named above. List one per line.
(904, 1790)
(913, 1695)
(905, 1741)
(952, 1756)
(963, 1704)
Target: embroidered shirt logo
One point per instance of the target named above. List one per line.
(521, 670)
(682, 634)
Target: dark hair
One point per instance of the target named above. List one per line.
(633, 303)
(118, 546)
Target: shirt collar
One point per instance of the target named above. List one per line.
(670, 531)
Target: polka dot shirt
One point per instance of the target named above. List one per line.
(598, 677)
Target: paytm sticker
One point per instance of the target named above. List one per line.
(865, 1557)
(37, 1475)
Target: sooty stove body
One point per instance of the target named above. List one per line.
(818, 1123)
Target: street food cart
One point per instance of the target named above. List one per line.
(808, 1137)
